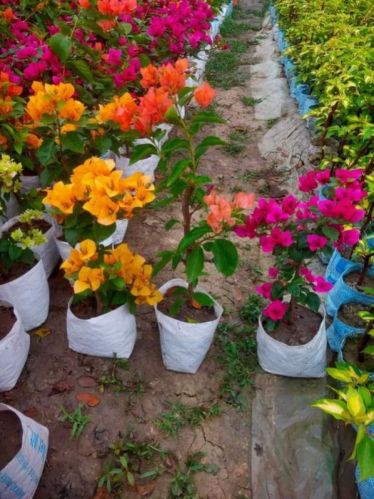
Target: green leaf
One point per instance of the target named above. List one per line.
(46, 152)
(193, 236)
(142, 151)
(102, 232)
(170, 223)
(174, 144)
(207, 117)
(335, 408)
(330, 232)
(72, 141)
(82, 69)
(203, 299)
(164, 259)
(206, 143)
(177, 171)
(195, 264)
(313, 301)
(61, 46)
(369, 350)
(130, 478)
(225, 256)
(365, 457)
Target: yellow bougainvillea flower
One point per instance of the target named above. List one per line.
(72, 264)
(71, 110)
(103, 209)
(89, 278)
(88, 250)
(33, 141)
(111, 185)
(61, 196)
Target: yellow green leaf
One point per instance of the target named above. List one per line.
(355, 403)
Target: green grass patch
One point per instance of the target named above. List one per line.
(237, 353)
(250, 101)
(236, 143)
(180, 416)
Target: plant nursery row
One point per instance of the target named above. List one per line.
(104, 112)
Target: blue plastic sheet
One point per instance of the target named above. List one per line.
(339, 331)
(341, 293)
(337, 265)
(273, 15)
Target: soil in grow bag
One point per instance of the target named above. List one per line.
(7, 321)
(182, 309)
(352, 352)
(303, 330)
(42, 225)
(10, 437)
(15, 271)
(352, 279)
(87, 308)
(348, 313)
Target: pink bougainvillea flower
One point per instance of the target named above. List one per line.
(273, 272)
(265, 290)
(316, 242)
(348, 176)
(350, 237)
(289, 204)
(323, 177)
(246, 230)
(276, 310)
(308, 182)
(321, 285)
(277, 238)
(307, 274)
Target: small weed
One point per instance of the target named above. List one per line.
(248, 176)
(231, 28)
(132, 462)
(237, 188)
(77, 419)
(236, 143)
(250, 101)
(112, 380)
(180, 415)
(183, 485)
(251, 310)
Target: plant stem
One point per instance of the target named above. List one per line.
(99, 304)
(365, 268)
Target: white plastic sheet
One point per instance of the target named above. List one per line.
(146, 166)
(14, 348)
(109, 335)
(20, 477)
(300, 361)
(184, 345)
(29, 294)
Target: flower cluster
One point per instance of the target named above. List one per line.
(10, 171)
(97, 188)
(222, 213)
(109, 271)
(293, 231)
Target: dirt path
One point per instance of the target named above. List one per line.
(132, 398)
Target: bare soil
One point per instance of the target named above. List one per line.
(186, 312)
(42, 225)
(10, 437)
(16, 270)
(85, 309)
(303, 330)
(7, 321)
(352, 279)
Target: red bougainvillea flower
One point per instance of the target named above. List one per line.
(116, 7)
(316, 242)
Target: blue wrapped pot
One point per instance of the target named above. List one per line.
(289, 67)
(281, 40)
(365, 487)
(341, 293)
(273, 15)
(337, 265)
(339, 331)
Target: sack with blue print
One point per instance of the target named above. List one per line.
(20, 477)
(342, 293)
(339, 331)
(337, 265)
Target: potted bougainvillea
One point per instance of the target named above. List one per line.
(292, 326)
(108, 283)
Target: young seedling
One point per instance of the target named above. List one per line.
(76, 419)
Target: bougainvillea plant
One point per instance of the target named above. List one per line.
(293, 231)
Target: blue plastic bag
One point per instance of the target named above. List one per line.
(337, 265)
(282, 42)
(341, 293)
(273, 15)
(339, 331)
(289, 67)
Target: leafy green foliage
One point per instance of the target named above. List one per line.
(77, 419)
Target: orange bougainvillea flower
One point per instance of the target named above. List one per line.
(85, 4)
(7, 14)
(243, 200)
(121, 110)
(69, 127)
(78, 257)
(61, 197)
(87, 250)
(173, 78)
(116, 7)
(149, 76)
(102, 208)
(33, 141)
(204, 95)
(7, 87)
(3, 141)
(220, 211)
(71, 110)
(153, 107)
(89, 278)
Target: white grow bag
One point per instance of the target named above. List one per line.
(14, 349)
(29, 294)
(29, 182)
(146, 166)
(20, 477)
(299, 361)
(184, 345)
(47, 251)
(109, 335)
(65, 248)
